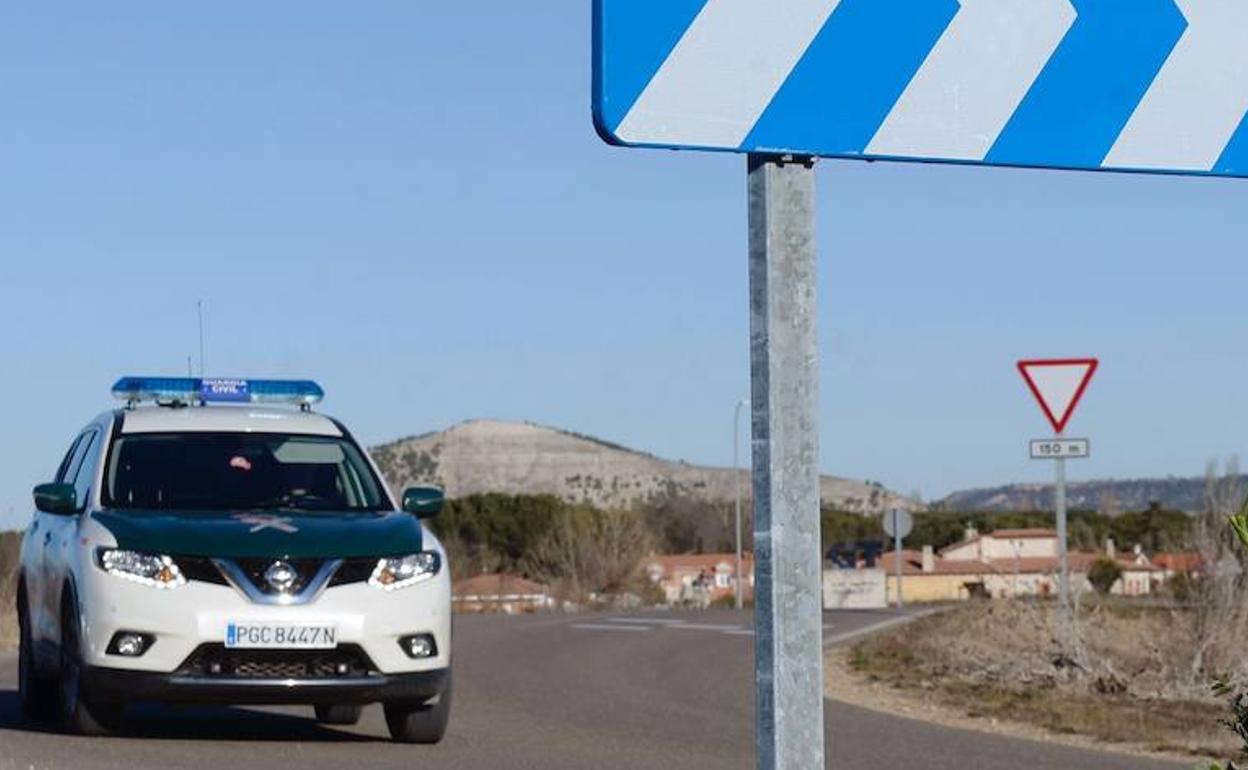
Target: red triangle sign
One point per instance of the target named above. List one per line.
(1058, 384)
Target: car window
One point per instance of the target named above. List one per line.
(239, 471)
(72, 458)
(85, 475)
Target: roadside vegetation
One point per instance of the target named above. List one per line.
(583, 552)
(1154, 529)
(9, 545)
(1126, 680)
(578, 551)
(1155, 672)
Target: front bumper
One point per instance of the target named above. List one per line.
(123, 686)
(182, 619)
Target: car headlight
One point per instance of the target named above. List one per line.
(402, 571)
(146, 568)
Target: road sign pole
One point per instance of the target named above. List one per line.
(1058, 385)
(1063, 563)
(897, 554)
(784, 389)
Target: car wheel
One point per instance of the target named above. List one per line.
(79, 714)
(339, 713)
(36, 694)
(425, 723)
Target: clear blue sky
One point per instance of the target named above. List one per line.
(407, 202)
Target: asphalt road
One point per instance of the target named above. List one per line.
(668, 690)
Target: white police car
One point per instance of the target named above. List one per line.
(249, 553)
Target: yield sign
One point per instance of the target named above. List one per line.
(1058, 385)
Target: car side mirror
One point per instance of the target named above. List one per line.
(56, 498)
(423, 502)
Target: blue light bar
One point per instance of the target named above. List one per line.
(190, 390)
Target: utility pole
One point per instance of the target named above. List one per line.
(736, 480)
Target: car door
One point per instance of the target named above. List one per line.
(34, 554)
(61, 531)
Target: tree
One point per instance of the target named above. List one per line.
(1103, 573)
(684, 524)
(590, 551)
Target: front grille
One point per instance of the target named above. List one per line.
(354, 571)
(212, 661)
(201, 569)
(255, 569)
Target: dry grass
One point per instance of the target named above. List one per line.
(1011, 661)
(8, 629)
(10, 543)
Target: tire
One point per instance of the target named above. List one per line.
(339, 713)
(79, 714)
(36, 694)
(420, 724)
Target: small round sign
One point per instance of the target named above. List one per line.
(898, 522)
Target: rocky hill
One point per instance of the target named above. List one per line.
(1107, 496)
(522, 458)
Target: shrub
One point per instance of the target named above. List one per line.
(1103, 574)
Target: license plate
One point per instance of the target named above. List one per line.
(281, 636)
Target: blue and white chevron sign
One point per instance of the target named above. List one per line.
(1143, 85)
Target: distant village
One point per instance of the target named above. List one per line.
(1003, 564)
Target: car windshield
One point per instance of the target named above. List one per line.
(239, 471)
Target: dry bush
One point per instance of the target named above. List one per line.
(1194, 643)
(1011, 660)
(589, 551)
(1121, 649)
(10, 544)
(1216, 617)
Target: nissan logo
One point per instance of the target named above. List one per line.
(281, 576)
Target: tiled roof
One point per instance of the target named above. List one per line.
(1004, 534)
(496, 584)
(1016, 534)
(1179, 562)
(912, 564)
(1080, 561)
(698, 561)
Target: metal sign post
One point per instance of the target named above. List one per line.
(901, 601)
(788, 614)
(1059, 450)
(898, 522)
(1063, 560)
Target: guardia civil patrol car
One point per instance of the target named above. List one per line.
(218, 541)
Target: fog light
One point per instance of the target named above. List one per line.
(129, 644)
(419, 646)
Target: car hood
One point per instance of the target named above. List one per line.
(243, 534)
